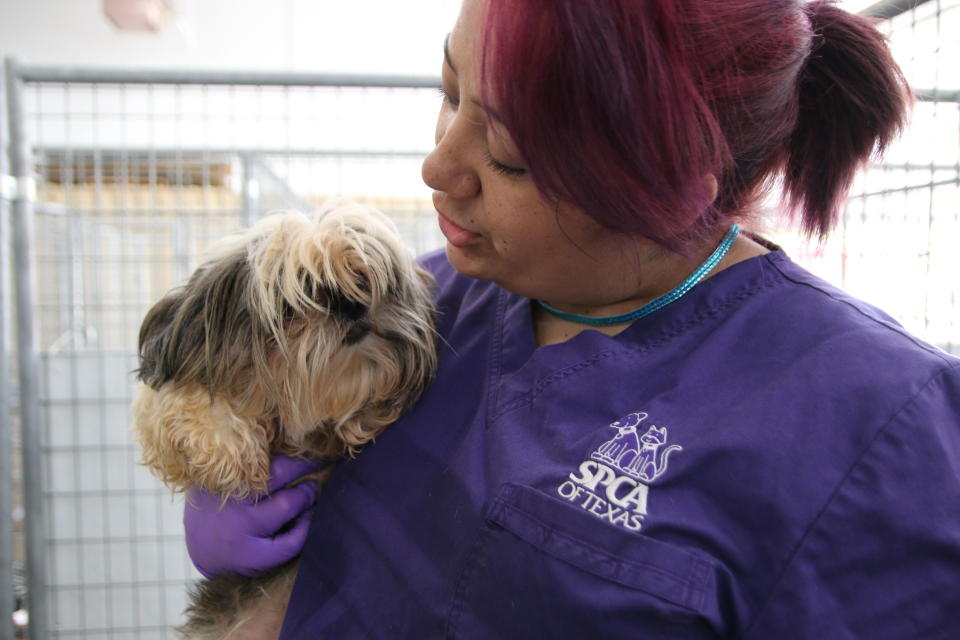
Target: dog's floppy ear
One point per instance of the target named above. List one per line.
(190, 439)
(201, 333)
(154, 340)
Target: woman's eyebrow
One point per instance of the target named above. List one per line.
(446, 56)
(446, 53)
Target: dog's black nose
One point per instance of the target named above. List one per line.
(356, 332)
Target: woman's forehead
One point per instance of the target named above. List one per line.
(461, 46)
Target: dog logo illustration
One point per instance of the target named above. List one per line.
(639, 456)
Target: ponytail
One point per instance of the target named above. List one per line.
(852, 103)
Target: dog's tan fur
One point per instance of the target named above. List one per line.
(187, 436)
(302, 335)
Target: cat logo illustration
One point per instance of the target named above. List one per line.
(614, 483)
(637, 456)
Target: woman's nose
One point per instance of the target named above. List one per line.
(448, 168)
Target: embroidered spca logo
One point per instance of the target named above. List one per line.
(613, 484)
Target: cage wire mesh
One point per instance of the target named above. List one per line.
(135, 180)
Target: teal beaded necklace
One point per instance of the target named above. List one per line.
(657, 303)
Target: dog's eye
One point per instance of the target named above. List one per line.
(345, 308)
(356, 333)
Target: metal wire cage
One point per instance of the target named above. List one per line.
(121, 179)
(131, 177)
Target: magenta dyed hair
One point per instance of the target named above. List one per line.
(622, 107)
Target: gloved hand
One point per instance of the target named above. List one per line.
(249, 536)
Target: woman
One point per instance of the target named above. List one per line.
(646, 423)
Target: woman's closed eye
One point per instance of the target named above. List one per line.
(447, 98)
(501, 168)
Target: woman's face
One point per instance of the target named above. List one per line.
(497, 225)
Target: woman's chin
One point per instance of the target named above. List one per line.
(471, 262)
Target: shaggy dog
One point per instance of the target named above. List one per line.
(303, 336)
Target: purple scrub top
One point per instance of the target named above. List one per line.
(765, 458)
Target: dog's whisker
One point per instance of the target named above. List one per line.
(444, 341)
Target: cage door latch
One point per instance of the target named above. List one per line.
(13, 188)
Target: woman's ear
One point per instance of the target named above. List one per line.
(710, 187)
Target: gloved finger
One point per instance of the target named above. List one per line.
(284, 469)
(272, 552)
(270, 514)
(290, 543)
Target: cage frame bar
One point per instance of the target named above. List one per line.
(24, 286)
(105, 75)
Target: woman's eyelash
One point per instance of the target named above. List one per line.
(503, 169)
(447, 97)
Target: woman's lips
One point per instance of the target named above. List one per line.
(455, 234)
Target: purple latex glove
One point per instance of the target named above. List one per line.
(248, 536)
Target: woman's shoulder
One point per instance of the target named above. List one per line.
(796, 343)
(845, 426)
(877, 413)
(808, 313)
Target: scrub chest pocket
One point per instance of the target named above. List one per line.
(541, 568)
